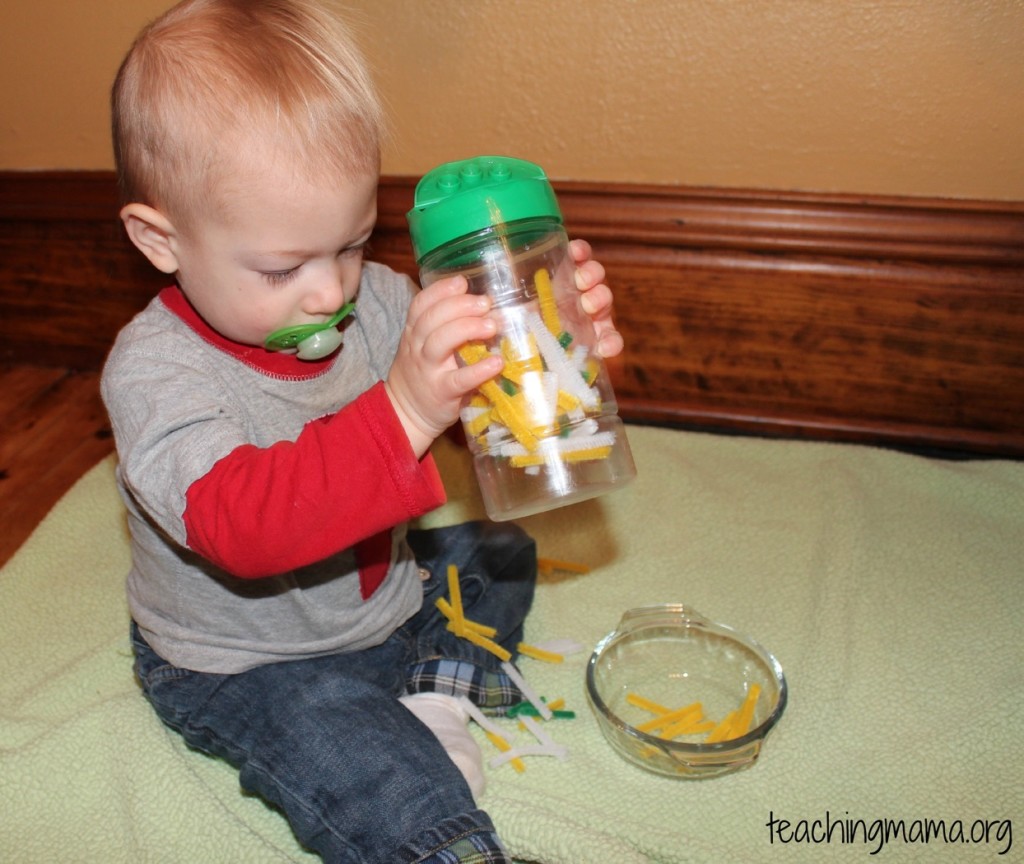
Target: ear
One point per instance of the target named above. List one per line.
(153, 233)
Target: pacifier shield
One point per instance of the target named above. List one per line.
(289, 337)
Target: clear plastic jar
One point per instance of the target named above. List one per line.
(546, 431)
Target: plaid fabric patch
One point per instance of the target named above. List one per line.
(478, 848)
(489, 690)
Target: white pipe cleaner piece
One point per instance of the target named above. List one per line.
(527, 690)
(569, 378)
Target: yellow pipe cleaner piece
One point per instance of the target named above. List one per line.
(539, 653)
(548, 304)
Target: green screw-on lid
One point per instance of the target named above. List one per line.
(461, 198)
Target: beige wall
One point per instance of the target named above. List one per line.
(906, 97)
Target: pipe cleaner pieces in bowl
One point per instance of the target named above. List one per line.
(683, 696)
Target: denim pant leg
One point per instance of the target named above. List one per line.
(497, 564)
(359, 778)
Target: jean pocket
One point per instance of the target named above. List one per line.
(152, 671)
(174, 693)
(163, 674)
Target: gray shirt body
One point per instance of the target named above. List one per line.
(178, 404)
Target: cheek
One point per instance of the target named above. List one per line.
(351, 273)
(250, 314)
(264, 316)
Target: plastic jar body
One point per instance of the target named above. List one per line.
(545, 432)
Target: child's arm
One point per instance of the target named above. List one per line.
(189, 457)
(258, 511)
(262, 511)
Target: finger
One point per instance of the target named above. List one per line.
(469, 378)
(609, 343)
(443, 341)
(580, 250)
(597, 301)
(448, 286)
(436, 293)
(444, 308)
(588, 274)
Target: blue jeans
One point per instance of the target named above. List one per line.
(358, 776)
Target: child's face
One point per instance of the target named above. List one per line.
(281, 251)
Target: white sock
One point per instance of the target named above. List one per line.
(448, 720)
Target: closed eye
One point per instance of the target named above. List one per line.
(277, 277)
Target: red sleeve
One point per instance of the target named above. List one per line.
(264, 511)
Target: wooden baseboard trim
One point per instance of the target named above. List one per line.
(787, 223)
(852, 318)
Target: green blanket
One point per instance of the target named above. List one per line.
(889, 586)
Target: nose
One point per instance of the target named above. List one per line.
(325, 297)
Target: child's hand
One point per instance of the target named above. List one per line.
(426, 384)
(597, 298)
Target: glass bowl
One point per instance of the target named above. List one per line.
(670, 657)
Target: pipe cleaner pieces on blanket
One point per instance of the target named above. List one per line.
(531, 707)
(548, 566)
(473, 631)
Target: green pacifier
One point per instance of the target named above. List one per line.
(310, 341)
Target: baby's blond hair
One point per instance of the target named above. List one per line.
(212, 76)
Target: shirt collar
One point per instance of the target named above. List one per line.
(272, 363)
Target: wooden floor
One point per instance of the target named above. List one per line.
(53, 428)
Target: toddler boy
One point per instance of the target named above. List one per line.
(283, 617)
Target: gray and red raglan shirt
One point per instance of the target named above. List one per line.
(267, 496)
